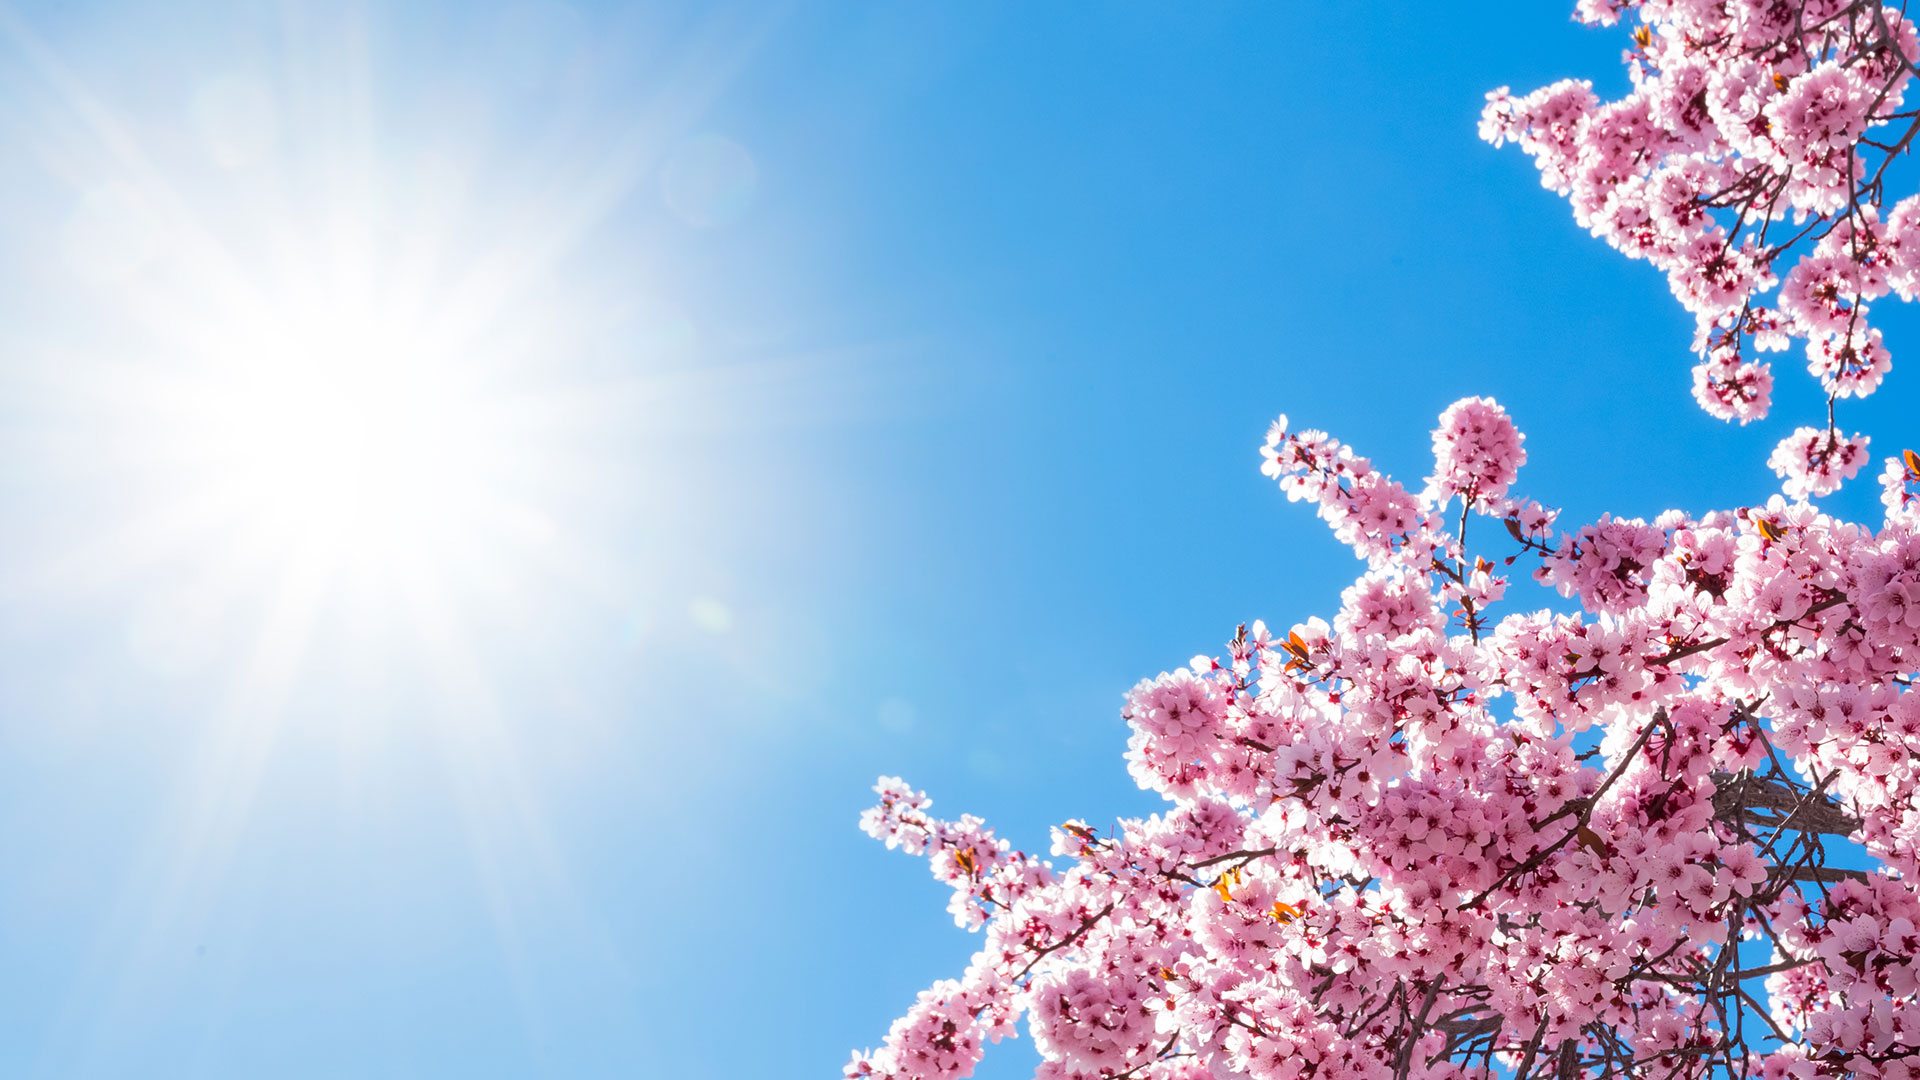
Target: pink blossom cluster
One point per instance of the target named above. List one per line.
(1815, 461)
(1749, 163)
(1476, 452)
(1435, 838)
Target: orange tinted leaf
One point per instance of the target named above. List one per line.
(1592, 841)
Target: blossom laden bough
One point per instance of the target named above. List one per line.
(1432, 839)
(1749, 163)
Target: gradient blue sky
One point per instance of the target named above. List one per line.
(885, 380)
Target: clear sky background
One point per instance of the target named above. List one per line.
(815, 391)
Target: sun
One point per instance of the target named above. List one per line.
(348, 435)
(343, 364)
(325, 422)
(347, 418)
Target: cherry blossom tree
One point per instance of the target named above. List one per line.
(1671, 832)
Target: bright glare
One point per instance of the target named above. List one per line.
(346, 410)
(346, 434)
(342, 378)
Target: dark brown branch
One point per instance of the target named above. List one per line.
(1735, 797)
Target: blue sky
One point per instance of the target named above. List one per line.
(836, 390)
